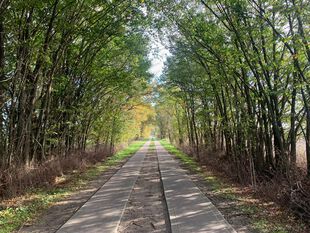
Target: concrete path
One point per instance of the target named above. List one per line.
(189, 209)
(103, 211)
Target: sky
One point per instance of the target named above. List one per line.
(158, 57)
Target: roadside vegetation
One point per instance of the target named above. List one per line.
(25, 208)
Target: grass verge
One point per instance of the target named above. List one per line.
(26, 208)
(264, 216)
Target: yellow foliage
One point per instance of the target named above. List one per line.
(139, 122)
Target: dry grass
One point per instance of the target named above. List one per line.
(14, 182)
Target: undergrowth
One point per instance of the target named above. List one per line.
(25, 208)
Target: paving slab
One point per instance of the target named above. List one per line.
(103, 211)
(189, 209)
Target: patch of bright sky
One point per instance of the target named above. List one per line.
(158, 52)
(158, 56)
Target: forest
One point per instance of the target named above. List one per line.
(234, 92)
